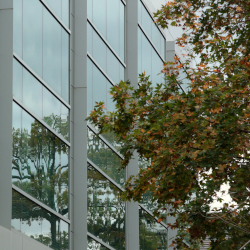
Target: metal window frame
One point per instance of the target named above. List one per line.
(99, 241)
(105, 175)
(153, 19)
(39, 203)
(151, 43)
(25, 108)
(155, 218)
(106, 43)
(105, 142)
(55, 16)
(41, 80)
(100, 69)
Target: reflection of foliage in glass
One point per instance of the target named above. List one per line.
(153, 236)
(40, 164)
(40, 168)
(108, 161)
(39, 224)
(106, 210)
(93, 245)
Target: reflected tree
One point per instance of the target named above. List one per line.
(40, 168)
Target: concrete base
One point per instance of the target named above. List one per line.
(14, 240)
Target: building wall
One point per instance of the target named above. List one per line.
(66, 180)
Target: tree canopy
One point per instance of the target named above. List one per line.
(193, 143)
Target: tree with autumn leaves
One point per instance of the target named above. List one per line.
(198, 141)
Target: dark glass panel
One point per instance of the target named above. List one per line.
(106, 210)
(18, 29)
(16, 145)
(32, 34)
(16, 219)
(153, 236)
(52, 34)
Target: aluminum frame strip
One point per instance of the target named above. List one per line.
(41, 121)
(20, 191)
(55, 16)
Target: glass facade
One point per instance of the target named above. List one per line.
(41, 111)
(43, 127)
(44, 45)
(153, 236)
(39, 224)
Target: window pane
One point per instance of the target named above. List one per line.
(52, 51)
(17, 80)
(99, 51)
(44, 163)
(122, 31)
(65, 12)
(18, 29)
(146, 56)
(99, 86)
(113, 67)
(32, 34)
(32, 93)
(39, 224)
(65, 66)
(56, 7)
(147, 22)
(93, 245)
(106, 210)
(100, 16)
(16, 145)
(152, 234)
(113, 26)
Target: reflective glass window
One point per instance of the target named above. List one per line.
(32, 93)
(52, 52)
(94, 245)
(106, 210)
(148, 59)
(104, 56)
(152, 234)
(39, 224)
(104, 158)
(32, 34)
(61, 9)
(40, 100)
(42, 43)
(17, 27)
(108, 16)
(42, 160)
(65, 66)
(17, 80)
(151, 29)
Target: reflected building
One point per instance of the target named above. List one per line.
(61, 182)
